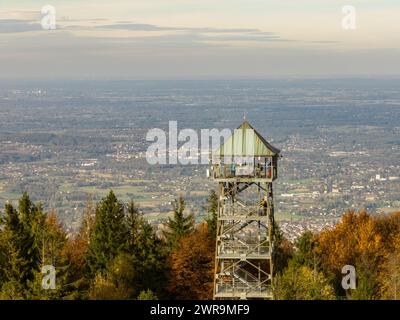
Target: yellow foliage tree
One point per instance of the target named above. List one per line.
(302, 283)
(390, 275)
(351, 241)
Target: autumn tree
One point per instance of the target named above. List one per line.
(355, 240)
(191, 266)
(390, 273)
(53, 239)
(115, 283)
(388, 227)
(302, 283)
(74, 257)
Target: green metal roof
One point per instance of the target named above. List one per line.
(246, 142)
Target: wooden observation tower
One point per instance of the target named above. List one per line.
(244, 167)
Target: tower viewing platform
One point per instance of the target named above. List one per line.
(245, 156)
(244, 167)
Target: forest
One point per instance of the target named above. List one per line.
(117, 254)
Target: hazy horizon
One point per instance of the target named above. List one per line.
(191, 40)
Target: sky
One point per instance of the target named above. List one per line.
(163, 39)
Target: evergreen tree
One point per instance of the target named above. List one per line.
(149, 258)
(212, 210)
(109, 235)
(11, 219)
(11, 262)
(179, 225)
(283, 250)
(147, 252)
(32, 221)
(134, 221)
(12, 267)
(22, 241)
(53, 240)
(305, 254)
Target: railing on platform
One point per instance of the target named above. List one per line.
(236, 287)
(227, 171)
(248, 211)
(243, 249)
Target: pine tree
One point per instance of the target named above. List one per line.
(179, 225)
(29, 237)
(11, 263)
(53, 239)
(283, 250)
(305, 254)
(147, 252)
(23, 229)
(11, 219)
(212, 210)
(149, 256)
(109, 236)
(12, 267)
(134, 222)
(21, 238)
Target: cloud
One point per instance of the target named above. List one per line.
(128, 26)
(134, 27)
(180, 35)
(197, 34)
(17, 26)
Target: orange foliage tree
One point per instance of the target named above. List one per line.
(351, 241)
(191, 266)
(366, 242)
(74, 257)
